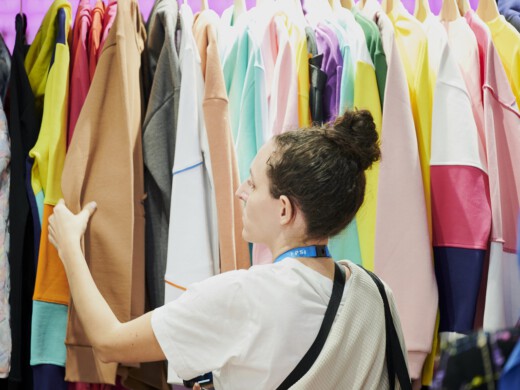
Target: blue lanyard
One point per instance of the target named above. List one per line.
(305, 251)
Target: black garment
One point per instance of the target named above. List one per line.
(24, 126)
(318, 78)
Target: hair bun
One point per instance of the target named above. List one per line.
(355, 132)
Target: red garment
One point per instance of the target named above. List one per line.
(79, 66)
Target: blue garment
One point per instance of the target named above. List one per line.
(511, 11)
(49, 377)
(458, 272)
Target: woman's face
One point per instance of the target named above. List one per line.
(261, 211)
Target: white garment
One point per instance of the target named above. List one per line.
(193, 233)
(5, 327)
(251, 328)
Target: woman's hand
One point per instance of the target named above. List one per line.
(65, 228)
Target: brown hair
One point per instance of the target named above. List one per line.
(322, 170)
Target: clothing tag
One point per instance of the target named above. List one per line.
(305, 251)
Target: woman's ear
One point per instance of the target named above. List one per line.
(287, 210)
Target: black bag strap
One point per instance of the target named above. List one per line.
(395, 363)
(312, 354)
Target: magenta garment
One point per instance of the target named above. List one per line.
(108, 20)
(79, 79)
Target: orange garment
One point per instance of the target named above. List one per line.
(94, 36)
(234, 251)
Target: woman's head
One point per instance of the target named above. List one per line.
(318, 172)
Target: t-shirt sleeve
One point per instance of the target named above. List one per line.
(205, 327)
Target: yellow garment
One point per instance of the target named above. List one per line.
(366, 96)
(413, 50)
(299, 42)
(507, 42)
(39, 56)
(49, 156)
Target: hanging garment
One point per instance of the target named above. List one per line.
(465, 50)
(80, 76)
(94, 37)
(5, 68)
(193, 224)
(502, 118)
(461, 213)
(5, 326)
(413, 49)
(332, 64)
(159, 132)
(511, 10)
(318, 78)
(346, 243)
(107, 145)
(507, 42)
(51, 291)
(408, 269)
(375, 47)
(245, 78)
(109, 16)
(234, 251)
(357, 240)
(23, 130)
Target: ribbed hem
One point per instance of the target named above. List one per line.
(415, 363)
(83, 366)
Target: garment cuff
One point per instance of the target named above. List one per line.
(415, 363)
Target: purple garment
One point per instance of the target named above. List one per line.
(332, 65)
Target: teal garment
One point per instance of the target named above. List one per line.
(345, 245)
(244, 75)
(40, 196)
(49, 327)
(375, 47)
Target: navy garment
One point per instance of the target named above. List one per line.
(511, 11)
(49, 377)
(24, 125)
(458, 272)
(37, 229)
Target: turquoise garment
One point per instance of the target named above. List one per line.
(244, 75)
(40, 196)
(345, 245)
(49, 327)
(375, 48)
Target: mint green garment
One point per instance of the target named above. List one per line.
(49, 326)
(375, 48)
(345, 245)
(244, 76)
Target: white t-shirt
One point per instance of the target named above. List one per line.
(251, 328)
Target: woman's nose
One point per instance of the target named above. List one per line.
(242, 192)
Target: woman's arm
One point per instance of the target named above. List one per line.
(113, 341)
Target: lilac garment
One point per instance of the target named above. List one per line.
(511, 10)
(332, 65)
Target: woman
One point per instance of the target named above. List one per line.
(251, 328)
